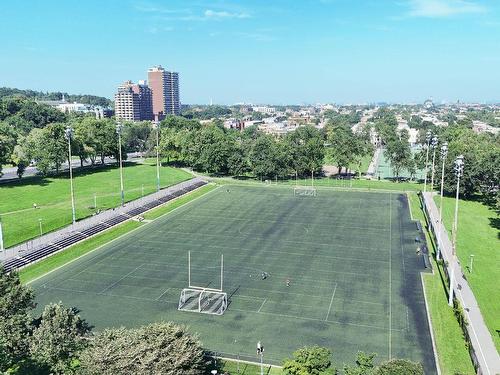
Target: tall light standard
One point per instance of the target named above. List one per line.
(40, 224)
(2, 248)
(428, 137)
(119, 128)
(156, 125)
(434, 147)
(69, 135)
(444, 153)
(260, 353)
(459, 171)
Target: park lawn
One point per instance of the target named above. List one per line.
(21, 221)
(477, 235)
(453, 355)
(46, 265)
(365, 163)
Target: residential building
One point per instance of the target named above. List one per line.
(165, 92)
(145, 100)
(127, 103)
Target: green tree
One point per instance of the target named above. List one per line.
(399, 367)
(263, 157)
(313, 360)
(158, 348)
(306, 149)
(48, 147)
(7, 144)
(364, 365)
(398, 152)
(16, 301)
(58, 338)
(342, 146)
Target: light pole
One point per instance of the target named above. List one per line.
(69, 135)
(119, 128)
(40, 224)
(471, 262)
(444, 153)
(459, 170)
(428, 137)
(157, 127)
(260, 353)
(2, 248)
(434, 147)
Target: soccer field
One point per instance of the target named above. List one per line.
(350, 258)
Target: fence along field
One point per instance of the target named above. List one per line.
(341, 271)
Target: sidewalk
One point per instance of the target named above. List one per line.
(484, 350)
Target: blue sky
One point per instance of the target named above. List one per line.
(274, 51)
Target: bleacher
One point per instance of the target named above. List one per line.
(77, 236)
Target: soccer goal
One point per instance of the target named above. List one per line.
(200, 299)
(304, 191)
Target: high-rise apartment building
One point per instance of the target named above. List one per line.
(165, 88)
(133, 102)
(127, 105)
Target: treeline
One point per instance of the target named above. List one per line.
(40, 95)
(481, 155)
(214, 149)
(59, 342)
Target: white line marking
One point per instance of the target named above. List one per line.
(120, 279)
(261, 306)
(390, 276)
(161, 295)
(331, 302)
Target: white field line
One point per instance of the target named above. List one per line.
(390, 276)
(120, 279)
(261, 306)
(331, 302)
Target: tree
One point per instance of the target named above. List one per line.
(48, 147)
(399, 367)
(16, 301)
(158, 348)
(306, 149)
(398, 152)
(135, 136)
(342, 146)
(313, 360)
(263, 157)
(7, 144)
(211, 150)
(364, 365)
(58, 338)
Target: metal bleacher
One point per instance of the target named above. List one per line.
(26, 258)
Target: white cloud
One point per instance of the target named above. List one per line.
(212, 14)
(443, 8)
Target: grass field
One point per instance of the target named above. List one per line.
(384, 169)
(350, 256)
(453, 355)
(478, 234)
(52, 196)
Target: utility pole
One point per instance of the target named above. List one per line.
(434, 146)
(69, 135)
(260, 353)
(428, 138)
(119, 128)
(2, 248)
(444, 153)
(157, 127)
(459, 170)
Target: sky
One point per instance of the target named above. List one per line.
(258, 51)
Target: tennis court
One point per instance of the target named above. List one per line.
(349, 257)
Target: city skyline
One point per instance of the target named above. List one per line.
(260, 52)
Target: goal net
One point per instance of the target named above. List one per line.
(304, 191)
(204, 301)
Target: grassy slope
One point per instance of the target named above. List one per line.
(476, 235)
(452, 353)
(21, 221)
(57, 260)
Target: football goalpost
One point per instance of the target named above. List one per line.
(304, 191)
(201, 299)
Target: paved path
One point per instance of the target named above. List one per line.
(484, 347)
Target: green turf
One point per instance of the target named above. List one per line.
(52, 195)
(350, 256)
(453, 355)
(478, 234)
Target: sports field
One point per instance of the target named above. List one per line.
(350, 258)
